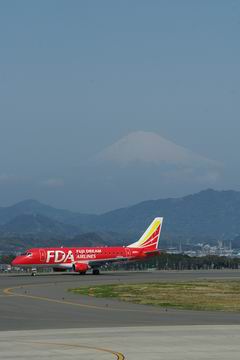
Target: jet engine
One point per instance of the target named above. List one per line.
(80, 267)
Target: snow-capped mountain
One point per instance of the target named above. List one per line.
(149, 147)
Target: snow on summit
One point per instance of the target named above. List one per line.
(143, 166)
(149, 147)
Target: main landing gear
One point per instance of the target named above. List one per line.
(96, 272)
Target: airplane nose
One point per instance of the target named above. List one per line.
(14, 262)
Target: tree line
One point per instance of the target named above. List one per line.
(166, 261)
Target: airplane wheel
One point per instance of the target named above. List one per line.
(96, 272)
(33, 274)
(82, 272)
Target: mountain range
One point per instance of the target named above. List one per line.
(205, 216)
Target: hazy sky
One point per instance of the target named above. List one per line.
(75, 76)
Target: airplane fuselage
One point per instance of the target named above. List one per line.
(81, 259)
(66, 257)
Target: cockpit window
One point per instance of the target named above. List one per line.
(24, 254)
(29, 254)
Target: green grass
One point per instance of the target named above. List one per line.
(198, 295)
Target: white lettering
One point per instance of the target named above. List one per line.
(69, 256)
(59, 256)
(50, 255)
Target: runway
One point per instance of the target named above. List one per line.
(32, 307)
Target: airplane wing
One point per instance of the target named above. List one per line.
(106, 261)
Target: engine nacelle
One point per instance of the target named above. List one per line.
(80, 267)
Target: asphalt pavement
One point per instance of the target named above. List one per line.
(44, 302)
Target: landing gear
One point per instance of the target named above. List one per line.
(82, 272)
(96, 272)
(34, 272)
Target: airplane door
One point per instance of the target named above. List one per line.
(128, 252)
(42, 253)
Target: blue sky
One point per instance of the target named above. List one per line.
(75, 76)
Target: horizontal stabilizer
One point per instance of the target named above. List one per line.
(155, 252)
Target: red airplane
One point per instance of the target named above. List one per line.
(81, 259)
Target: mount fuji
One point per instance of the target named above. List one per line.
(144, 165)
(149, 147)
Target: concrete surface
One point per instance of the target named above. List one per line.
(130, 343)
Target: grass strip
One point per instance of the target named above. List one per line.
(195, 295)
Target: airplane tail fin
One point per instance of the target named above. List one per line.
(149, 240)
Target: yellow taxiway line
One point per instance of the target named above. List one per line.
(10, 292)
(119, 356)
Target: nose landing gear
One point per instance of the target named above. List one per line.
(34, 272)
